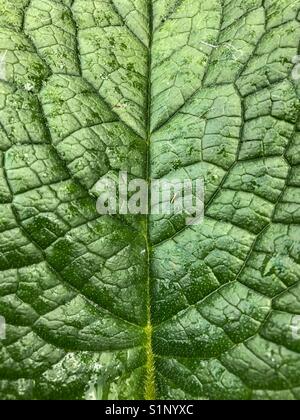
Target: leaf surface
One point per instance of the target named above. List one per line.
(147, 307)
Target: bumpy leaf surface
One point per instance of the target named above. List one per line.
(146, 307)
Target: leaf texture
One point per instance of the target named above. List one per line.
(146, 307)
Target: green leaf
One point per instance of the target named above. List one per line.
(145, 307)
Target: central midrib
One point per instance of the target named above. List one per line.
(150, 387)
